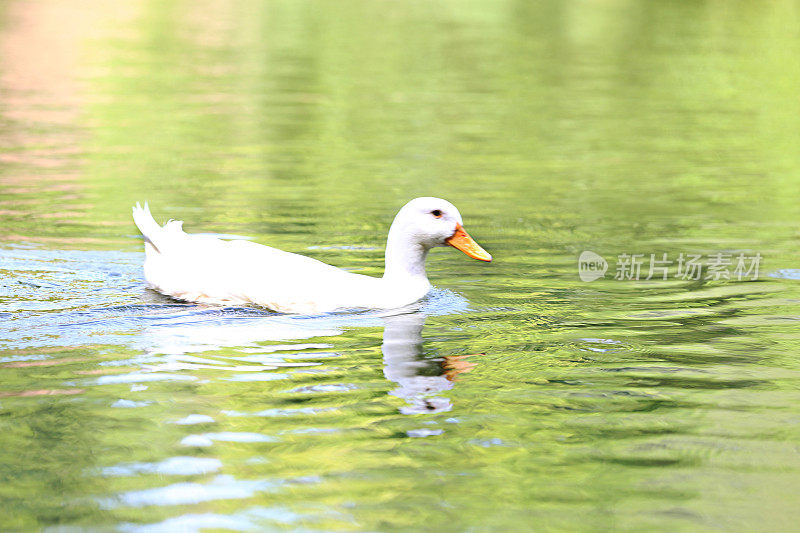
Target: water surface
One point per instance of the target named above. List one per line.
(514, 397)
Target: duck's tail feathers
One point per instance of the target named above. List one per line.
(147, 226)
(144, 220)
(155, 236)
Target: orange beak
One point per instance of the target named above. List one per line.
(466, 244)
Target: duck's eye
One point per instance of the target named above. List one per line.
(436, 213)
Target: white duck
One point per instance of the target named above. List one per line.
(206, 269)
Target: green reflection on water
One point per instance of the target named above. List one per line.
(555, 127)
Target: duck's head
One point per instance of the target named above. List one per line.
(435, 222)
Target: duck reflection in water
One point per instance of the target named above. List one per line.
(177, 339)
(419, 379)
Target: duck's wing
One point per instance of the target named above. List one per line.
(209, 269)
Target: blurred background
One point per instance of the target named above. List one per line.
(520, 397)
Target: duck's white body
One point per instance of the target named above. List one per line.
(206, 269)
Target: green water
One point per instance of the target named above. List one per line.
(516, 397)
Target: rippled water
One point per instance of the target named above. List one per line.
(515, 397)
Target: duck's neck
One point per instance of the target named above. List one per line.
(405, 257)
